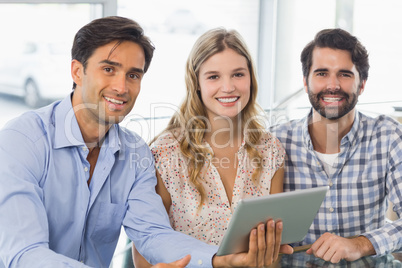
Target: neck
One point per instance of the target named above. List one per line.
(93, 134)
(92, 129)
(224, 132)
(326, 134)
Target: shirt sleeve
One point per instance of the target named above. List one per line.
(147, 223)
(24, 231)
(389, 237)
(164, 151)
(279, 152)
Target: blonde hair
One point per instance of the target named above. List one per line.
(193, 116)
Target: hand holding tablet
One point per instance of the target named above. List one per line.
(296, 209)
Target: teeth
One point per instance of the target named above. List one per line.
(227, 100)
(331, 99)
(114, 101)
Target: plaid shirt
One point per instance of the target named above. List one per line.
(368, 170)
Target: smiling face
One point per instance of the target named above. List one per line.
(225, 82)
(106, 91)
(333, 84)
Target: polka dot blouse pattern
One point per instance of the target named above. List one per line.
(210, 223)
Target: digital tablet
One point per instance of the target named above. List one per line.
(296, 209)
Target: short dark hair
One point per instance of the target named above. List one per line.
(102, 31)
(337, 39)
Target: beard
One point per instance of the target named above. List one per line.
(333, 112)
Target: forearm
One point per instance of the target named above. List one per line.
(41, 257)
(147, 225)
(364, 246)
(169, 247)
(386, 239)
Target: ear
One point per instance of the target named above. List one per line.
(361, 90)
(77, 71)
(305, 84)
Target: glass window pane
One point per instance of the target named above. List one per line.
(377, 25)
(35, 53)
(173, 26)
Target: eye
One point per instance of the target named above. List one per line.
(212, 77)
(238, 75)
(108, 69)
(346, 75)
(321, 74)
(134, 76)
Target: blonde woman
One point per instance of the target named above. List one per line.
(215, 150)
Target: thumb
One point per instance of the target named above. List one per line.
(183, 261)
(286, 249)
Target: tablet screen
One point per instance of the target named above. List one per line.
(296, 209)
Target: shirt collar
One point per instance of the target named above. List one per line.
(306, 134)
(350, 137)
(68, 133)
(112, 139)
(353, 134)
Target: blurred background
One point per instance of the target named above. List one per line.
(37, 38)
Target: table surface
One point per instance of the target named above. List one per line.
(301, 259)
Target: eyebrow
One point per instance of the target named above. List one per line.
(320, 70)
(340, 71)
(235, 70)
(117, 64)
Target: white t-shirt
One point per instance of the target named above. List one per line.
(328, 161)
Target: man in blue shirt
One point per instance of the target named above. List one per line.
(357, 156)
(71, 177)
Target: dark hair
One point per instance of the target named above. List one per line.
(337, 39)
(102, 31)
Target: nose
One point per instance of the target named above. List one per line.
(228, 85)
(119, 84)
(333, 83)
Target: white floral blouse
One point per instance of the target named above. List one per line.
(210, 223)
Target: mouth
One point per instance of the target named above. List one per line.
(228, 100)
(118, 102)
(331, 99)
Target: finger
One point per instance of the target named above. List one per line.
(270, 242)
(286, 249)
(261, 245)
(324, 251)
(328, 254)
(252, 247)
(336, 257)
(278, 239)
(315, 246)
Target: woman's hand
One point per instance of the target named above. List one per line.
(264, 248)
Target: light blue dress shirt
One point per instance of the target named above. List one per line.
(49, 217)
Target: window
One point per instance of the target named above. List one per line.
(173, 27)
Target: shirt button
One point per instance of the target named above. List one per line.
(85, 169)
(330, 184)
(84, 149)
(331, 209)
(199, 262)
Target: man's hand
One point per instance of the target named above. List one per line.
(264, 248)
(177, 264)
(333, 248)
